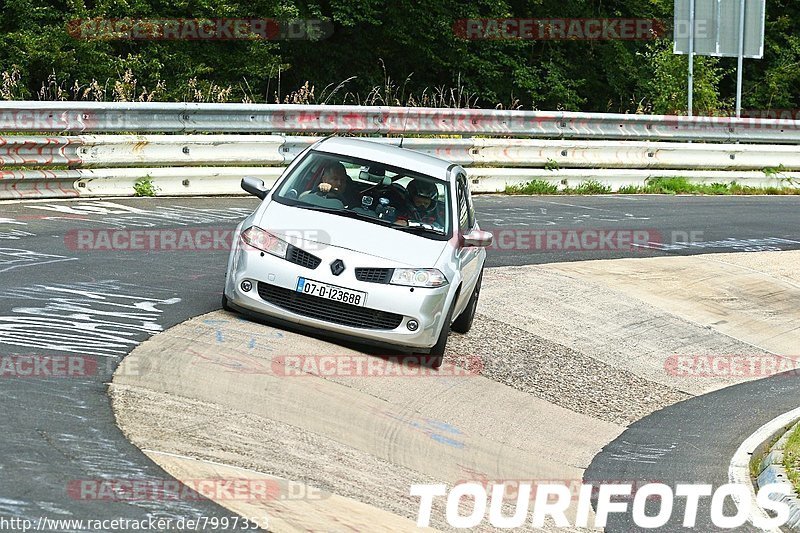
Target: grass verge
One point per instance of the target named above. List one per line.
(533, 187)
(675, 185)
(545, 187)
(791, 458)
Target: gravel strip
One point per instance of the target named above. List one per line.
(558, 374)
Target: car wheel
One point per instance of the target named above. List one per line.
(463, 323)
(225, 304)
(436, 355)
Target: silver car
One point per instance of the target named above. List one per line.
(362, 241)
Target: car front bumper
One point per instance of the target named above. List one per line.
(425, 305)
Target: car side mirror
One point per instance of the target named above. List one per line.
(477, 238)
(255, 187)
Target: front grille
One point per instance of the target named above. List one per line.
(328, 310)
(302, 258)
(374, 275)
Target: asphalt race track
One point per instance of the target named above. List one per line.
(58, 432)
(98, 305)
(692, 442)
(678, 225)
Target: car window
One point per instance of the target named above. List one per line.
(350, 186)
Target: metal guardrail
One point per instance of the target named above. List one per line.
(88, 117)
(193, 181)
(90, 165)
(91, 151)
(214, 164)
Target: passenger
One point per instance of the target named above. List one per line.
(424, 207)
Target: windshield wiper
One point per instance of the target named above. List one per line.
(419, 228)
(345, 213)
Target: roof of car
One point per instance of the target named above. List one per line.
(386, 153)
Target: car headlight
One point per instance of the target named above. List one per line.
(265, 241)
(418, 277)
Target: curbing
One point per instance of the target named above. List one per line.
(753, 446)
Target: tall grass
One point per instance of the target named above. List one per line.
(127, 88)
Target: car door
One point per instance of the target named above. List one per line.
(469, 257)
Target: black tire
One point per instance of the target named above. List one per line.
(225, 304)
(436, 355)
(463, 323)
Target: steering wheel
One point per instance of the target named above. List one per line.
(334, 194)
(395, 193)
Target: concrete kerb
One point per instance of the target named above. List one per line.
(755, 445)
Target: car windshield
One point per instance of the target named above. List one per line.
(369, 190)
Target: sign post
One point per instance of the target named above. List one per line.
(740, 62)
(690, 80)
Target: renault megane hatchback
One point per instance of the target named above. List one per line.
(363, 241)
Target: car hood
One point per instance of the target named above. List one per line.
(294, 224)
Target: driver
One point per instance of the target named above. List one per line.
(336, 182)
(424, 205)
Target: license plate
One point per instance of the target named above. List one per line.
(331, 292)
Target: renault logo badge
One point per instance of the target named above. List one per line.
(337, 267)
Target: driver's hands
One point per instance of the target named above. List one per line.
(401, 222)
(325, 188)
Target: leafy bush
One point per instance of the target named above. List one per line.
(144, 187)
(403, 52)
